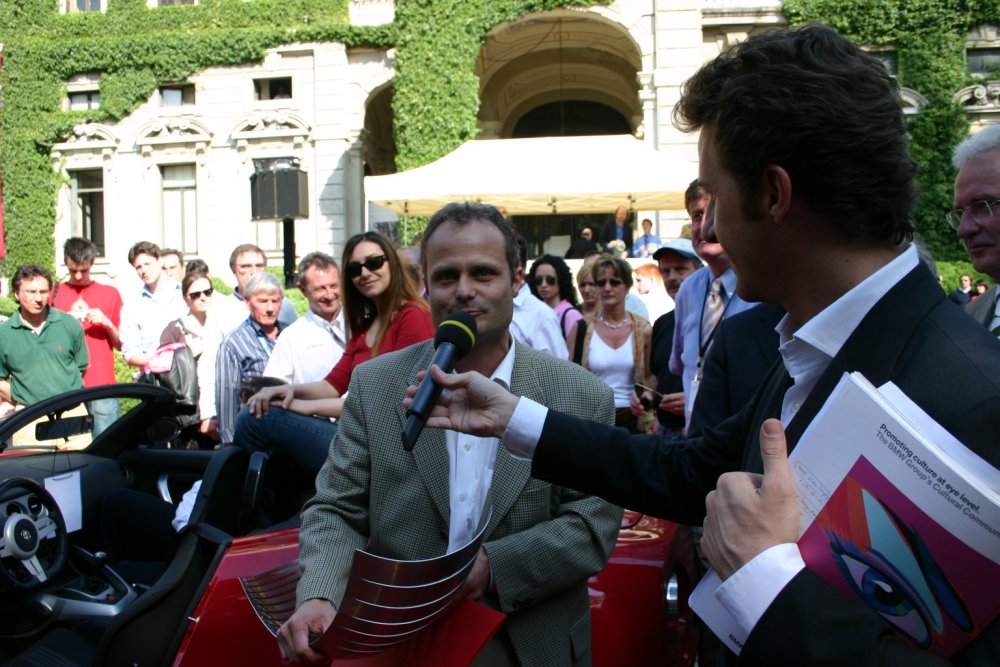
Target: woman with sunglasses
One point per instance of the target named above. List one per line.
(614, 343)
(382, 305)
(383, 312)
(189, 328)
(551, 281)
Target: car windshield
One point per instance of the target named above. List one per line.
(71, 427)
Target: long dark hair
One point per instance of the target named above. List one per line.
(563, 275)
(359, 310)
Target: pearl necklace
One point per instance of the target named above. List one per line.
(619, 325)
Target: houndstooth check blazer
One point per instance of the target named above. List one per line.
(543, 541)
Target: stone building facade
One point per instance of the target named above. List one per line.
(177, 170)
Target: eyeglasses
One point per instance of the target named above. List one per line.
(197, 295)
(981, 211)
(550, 280)
(615, 282)
(372, 264)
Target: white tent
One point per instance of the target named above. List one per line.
(539, 176)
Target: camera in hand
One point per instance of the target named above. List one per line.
(646, 401)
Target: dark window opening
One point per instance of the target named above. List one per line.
(88, 205)
(569, 119)
(273, 89)
(888, 60)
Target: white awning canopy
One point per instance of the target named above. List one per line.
(539, 176)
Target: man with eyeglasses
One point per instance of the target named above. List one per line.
(976, 216)
(245, 261)
(42, 350)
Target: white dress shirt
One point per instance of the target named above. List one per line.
(147, 314)
(308, 349)
(471, 461)
(806, 353)
(535, 324)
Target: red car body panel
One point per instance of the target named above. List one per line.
(629, 620)
(224, 629)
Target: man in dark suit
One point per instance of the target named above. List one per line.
(542, 542)
(618, 228)
(985, 309)
(745, 348)
(676, 260)
(976, 216)
(813, 202)
(579, 247)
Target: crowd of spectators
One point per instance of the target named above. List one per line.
(384, 312)
(243, 336)
(376, 306)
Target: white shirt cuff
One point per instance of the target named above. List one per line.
(524, 429)
(749, 591)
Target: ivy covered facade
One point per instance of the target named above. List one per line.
(135, 121)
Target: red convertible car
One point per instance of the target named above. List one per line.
(65, 603)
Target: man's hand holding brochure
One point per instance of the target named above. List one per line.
(895, 512)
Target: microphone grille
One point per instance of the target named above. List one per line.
(459, 329)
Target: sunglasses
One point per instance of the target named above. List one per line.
(198, 295)
(615, 282)
(550, 280)
(372, 264)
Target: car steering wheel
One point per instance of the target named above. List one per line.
(33, 546)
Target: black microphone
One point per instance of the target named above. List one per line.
(453, 340)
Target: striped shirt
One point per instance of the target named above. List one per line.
(243, 354)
